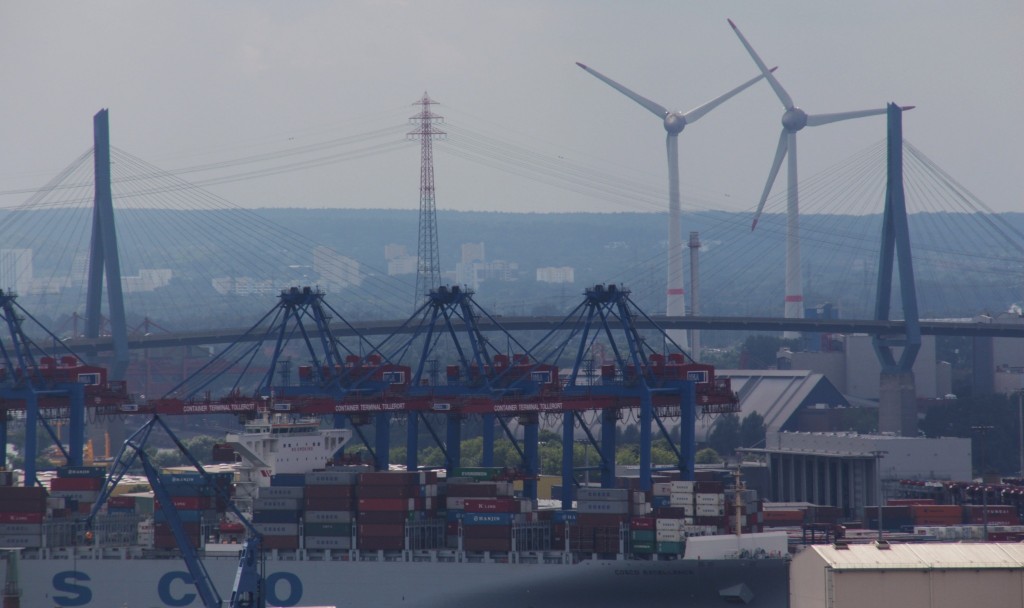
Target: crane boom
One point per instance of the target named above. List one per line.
(248, 587)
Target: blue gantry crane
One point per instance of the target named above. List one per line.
(47, 386)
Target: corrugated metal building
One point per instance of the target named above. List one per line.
(932, 575)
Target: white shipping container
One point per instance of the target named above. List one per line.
(710, 511)
(682, 498)
(610, 494)
(21, 540)
(644, 509)
(79, 495)
(456, 502)
(682, 486)
(664, 523)
(710, 499)
(603, 506)
(662, 489)
(670, 536)
(691, 530)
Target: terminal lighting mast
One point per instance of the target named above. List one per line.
(428, 266)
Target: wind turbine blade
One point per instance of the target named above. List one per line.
(780, 153)
(815, 120)
(700, 111)
(657, 109)
(779, 91)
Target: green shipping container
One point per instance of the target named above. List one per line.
(642, 535)
(673, 548)
(478, 473)
(643, 546)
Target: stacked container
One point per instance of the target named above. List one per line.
(330, 501)
(76, 489)
(277, 510)
(199, 500)
(386, 501)
(21, 516)
(602, 513)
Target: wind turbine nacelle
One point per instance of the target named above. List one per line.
(794, 119)
(675, 122)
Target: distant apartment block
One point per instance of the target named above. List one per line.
(472, 252)
(472, 274)
(148, 279)
(556, 274)
(16, 270)
(336, 271)
(243, 286)
(399, 261)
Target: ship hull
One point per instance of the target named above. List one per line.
(148, 583)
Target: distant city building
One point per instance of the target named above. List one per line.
(243, 286)
(148, 279)
(851, 364)
(472, 252)
(399, 261)
(556, 274)
(336, 271)
(16, 270)
(394, 250)
(472, 274)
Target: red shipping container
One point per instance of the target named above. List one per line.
(328, 504)
(121, 502)
(287, 543)
(189, 503)
(486, 531)
(487, 544)
(397, 478)
(896, 502)
(642, 523)
(492, 505)
(388, 491)
(382, 517)
(452, 528)
(330, 491)
(21, 518)
(600, 519)
(472, 490)
(76, 483)
(390, 504)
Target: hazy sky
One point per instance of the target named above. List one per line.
(192, 83)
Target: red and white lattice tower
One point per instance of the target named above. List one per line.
(428, 267)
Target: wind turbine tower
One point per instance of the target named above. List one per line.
(674, 123)
(428, 265)
(793, 120)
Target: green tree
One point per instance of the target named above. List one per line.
(725, 434)
(752, 431)
(708, 456)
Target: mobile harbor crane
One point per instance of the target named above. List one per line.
(248, 590)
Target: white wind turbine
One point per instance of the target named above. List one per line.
(674, 123)
(793, 119)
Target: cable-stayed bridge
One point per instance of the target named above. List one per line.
(245, 245)
(181, 245)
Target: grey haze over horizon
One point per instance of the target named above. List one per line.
(191, 83)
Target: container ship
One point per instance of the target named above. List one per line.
(350, 536)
